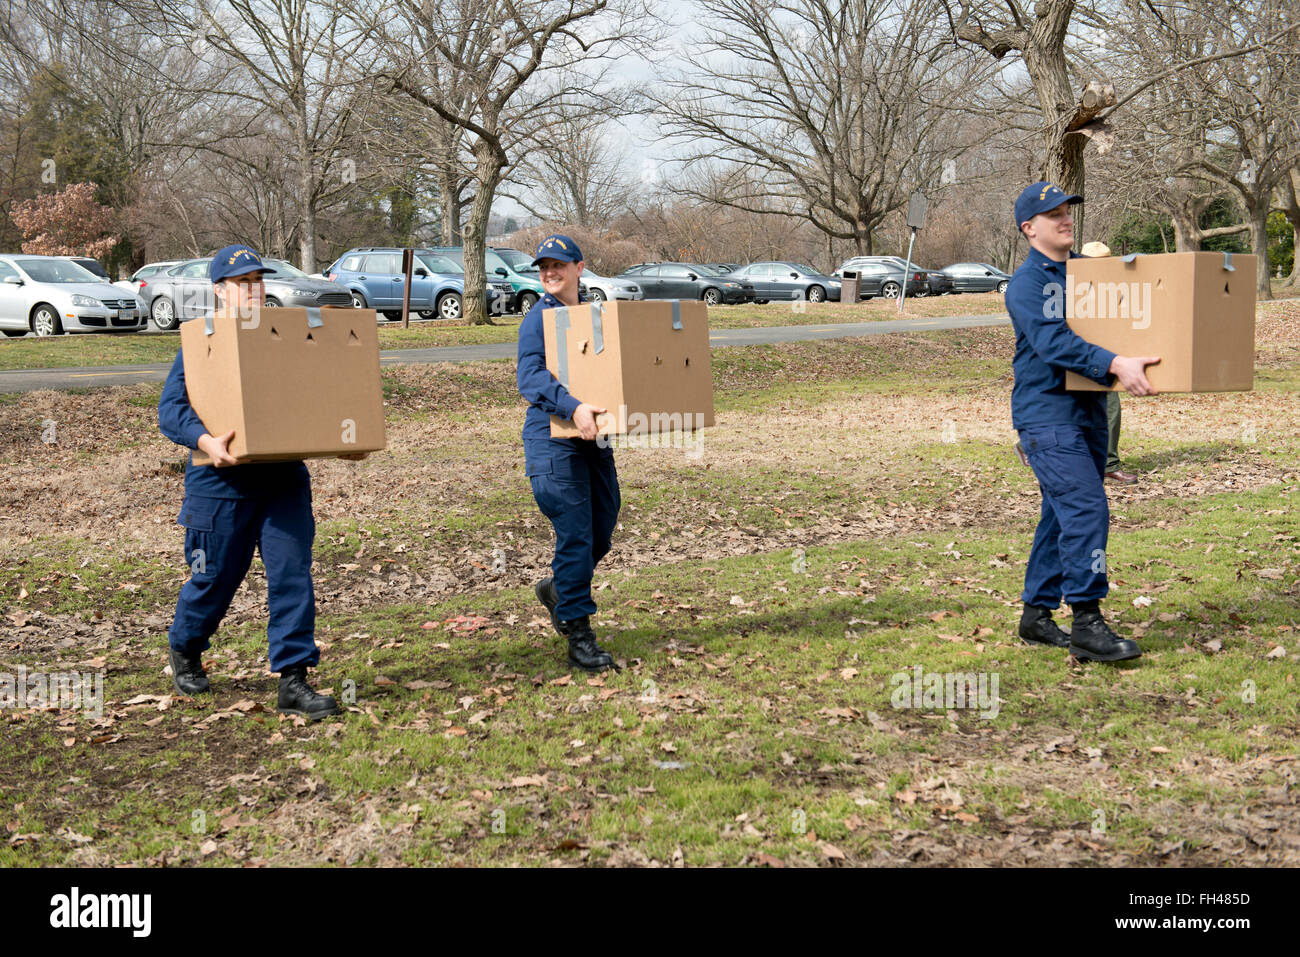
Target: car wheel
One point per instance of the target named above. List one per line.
(1002, 287)
(712, 297)
(393, 316)
(527, 300)
(271, 303)
(163, 312)
(922, 293)
(358, 300)
(890, 290)
(816, 294)
(46, 322)
(449, 306)
(596, 295)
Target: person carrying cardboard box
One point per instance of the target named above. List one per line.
(231, 509)
(1063, 435)
(573, 479)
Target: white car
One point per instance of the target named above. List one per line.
(49, 295)
(602, 287)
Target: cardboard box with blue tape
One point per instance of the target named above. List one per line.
(645, 362)
(1196, 311)
(293, 383)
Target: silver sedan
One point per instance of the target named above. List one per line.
(49, 295)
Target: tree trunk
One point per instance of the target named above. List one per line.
(449, 191)
(1290, 194)
(1187, 234)
(1044, 58)
(1259, 243)
(306, 196)
(488, 167)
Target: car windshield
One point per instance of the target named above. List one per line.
(282, 268)
(519, 262)
(706, 270)
(806, 270)
(441, 264)
(56, 270)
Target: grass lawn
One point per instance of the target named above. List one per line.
(777, 597)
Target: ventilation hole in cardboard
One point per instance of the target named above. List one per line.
(353, 338)
(1225, 289)
(658, 361)
(1160, 283)
(1120, 297)
(274, 334)
(311, 338)
(209, 351)
(688, 360)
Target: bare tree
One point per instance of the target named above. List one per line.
(500, 70)
(831, 111)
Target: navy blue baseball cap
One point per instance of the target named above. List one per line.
(1039, 198)
(234, 260)
(558, 246)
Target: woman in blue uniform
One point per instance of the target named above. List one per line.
(574, 481)
(229, 510)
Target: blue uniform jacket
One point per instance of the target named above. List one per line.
(1046, 348)
(545, 395)
(179, 422)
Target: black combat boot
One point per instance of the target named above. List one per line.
(188, 676)
(546, 594)
(1092, 640)
(1037, 628)
(297, 697)
(584, 653)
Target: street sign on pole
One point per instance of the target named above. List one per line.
(916, 207)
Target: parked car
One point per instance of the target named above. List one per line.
(521, 289)
(373, 275)
(939, 280)
(784, 281)
(500, 294)
(142, 276)
(978, 277)
(687, 281)
(878, 276)
(49, 295)
(602, 287)
(184, 291)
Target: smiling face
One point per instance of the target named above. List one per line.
(560, 279)
(1052, 232)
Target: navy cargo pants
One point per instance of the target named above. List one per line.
(576, 487)
(1068, 559)
(220, 536)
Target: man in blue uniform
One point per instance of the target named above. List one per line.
(573, 480)
(228, 511)
(1064, 435)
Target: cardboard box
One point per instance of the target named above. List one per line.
(293, 383)
(648, 363)
(1196, 311)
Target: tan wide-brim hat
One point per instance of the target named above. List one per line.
(1096, 249)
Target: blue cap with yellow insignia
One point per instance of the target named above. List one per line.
(558, 246)
(235, 260)
(1039, 198)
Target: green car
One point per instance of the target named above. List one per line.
(509, 265)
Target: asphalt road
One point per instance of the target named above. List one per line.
(27, 380)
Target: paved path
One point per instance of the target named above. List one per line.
(73, 378)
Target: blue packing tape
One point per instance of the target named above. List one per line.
(677, 314)
(562, 344)
(597, 328)
(208, 327)
(1129, 258)
(1227, 262)
(314, 320)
